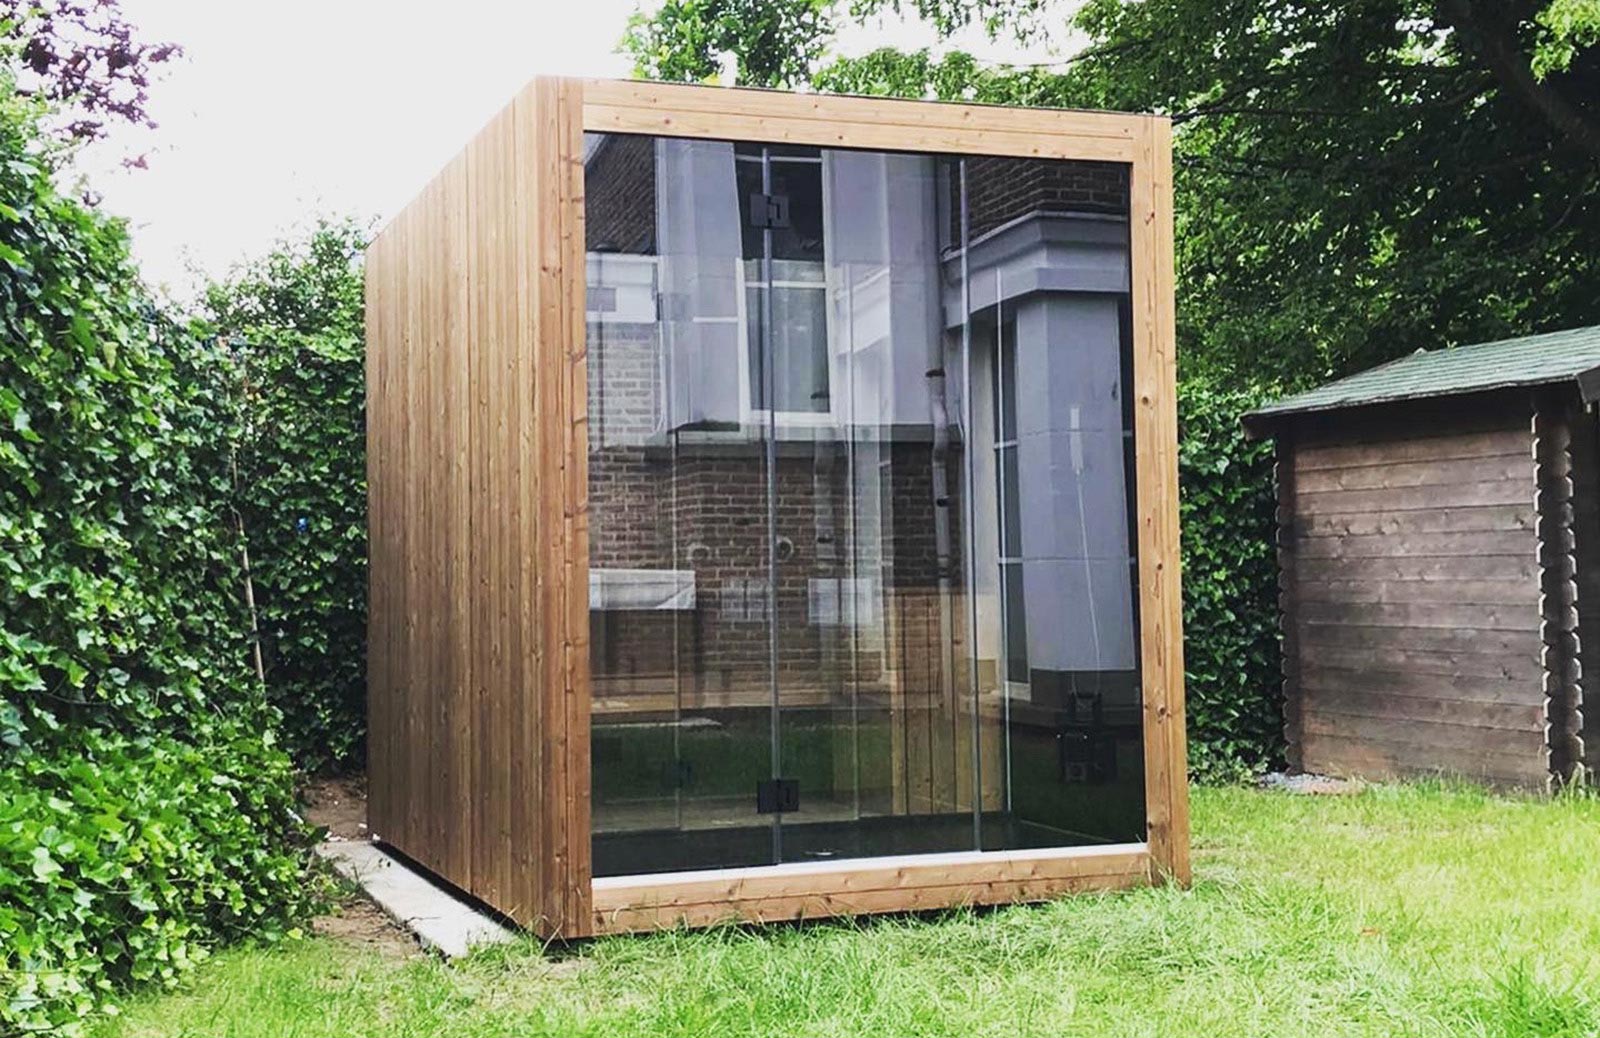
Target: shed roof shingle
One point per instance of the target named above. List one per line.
(1528, 361)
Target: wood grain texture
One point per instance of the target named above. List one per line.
(1414, 634)
(1376, 755)
(476, 532)
(824, 120)
(1156, 476)
(910, 883)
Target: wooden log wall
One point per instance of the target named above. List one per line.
(1577, 744)
(1558, 585)
(1412, 597)
(478, 641)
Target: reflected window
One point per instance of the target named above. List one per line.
(786, 330)
(1013, 605)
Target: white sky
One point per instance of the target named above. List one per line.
(285, 109)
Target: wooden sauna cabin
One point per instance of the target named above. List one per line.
(774, 509)
(1439, 559)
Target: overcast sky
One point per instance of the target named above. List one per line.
(280, 110)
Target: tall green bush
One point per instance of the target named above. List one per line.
(145, 812)
(293, 319)
(1230, 584)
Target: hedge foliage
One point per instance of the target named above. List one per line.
(145, 811)
(1230, 585)
(294, 321)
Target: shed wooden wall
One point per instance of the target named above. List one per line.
(1411, 587)
(1575, 720)
(478, 642)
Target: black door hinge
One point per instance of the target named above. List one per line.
(769, 210)
(777, 796)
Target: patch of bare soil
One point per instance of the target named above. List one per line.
(358, 921)
(339, 805)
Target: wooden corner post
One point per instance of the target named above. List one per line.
(1156, 450)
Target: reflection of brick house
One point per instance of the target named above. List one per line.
(692, 501)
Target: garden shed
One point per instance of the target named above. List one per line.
(774, 509)
(1439, 562)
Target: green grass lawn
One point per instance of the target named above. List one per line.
(1398, 911)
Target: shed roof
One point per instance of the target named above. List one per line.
(1569, 356)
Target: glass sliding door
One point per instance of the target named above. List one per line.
(862, 569)
(681, 599)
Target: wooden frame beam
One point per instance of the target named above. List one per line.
(816, 890)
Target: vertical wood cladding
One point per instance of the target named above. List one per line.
(478, 491)
(1413, 612)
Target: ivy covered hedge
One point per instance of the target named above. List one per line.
(1230, 585)
(145, 810)
(293, 319)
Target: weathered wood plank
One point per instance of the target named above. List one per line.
(1378, 758)
(1448, 519)
(1448, 688)
(1514, 467)
(549, 375)
(1516, 543)
(1418, 613)
(1435, 639)
(456, 515)
(1444, 446)
(485, 542)
(1468, 741)
(1467, 592)
(1423, 662)
(1448, 616)
(1445, 569)
(1348, 502)
(1380, 704)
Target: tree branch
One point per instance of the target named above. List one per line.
(1501, 52)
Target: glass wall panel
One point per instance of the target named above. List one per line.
(862, 568)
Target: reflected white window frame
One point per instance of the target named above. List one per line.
(749, 414)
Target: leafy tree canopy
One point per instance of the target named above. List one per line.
(84, 59)
(1355, 180)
